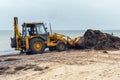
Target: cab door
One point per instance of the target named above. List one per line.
(41, 31)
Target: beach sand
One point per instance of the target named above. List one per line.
(66, 65)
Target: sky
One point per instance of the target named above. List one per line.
(62, 14)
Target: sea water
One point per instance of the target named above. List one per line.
(5, 36)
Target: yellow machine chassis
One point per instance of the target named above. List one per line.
(49, 42)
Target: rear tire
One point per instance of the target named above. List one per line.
(37, 46)
(61, 46)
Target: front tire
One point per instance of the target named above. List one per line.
(61, 46)
(37, 46)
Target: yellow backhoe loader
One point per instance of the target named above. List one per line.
(34, 38)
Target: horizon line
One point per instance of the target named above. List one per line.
(67, 29)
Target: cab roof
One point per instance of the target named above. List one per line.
(31, 23)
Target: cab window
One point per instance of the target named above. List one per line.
(40, 29)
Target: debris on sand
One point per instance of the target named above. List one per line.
(105, 52)
(38, 68)
(24, 67)
(9, 70)
(11, 59)
(0, 60)
(3, 69)
(95, 39)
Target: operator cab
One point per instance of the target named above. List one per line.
(34, 29)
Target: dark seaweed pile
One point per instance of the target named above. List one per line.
(95, 39)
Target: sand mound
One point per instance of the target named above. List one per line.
(95, 39)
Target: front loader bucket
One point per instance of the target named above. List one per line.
(77, 40)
